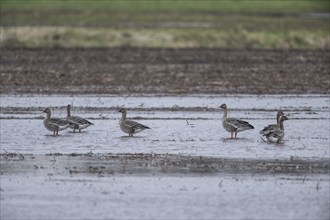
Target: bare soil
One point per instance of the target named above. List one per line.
(173, 71)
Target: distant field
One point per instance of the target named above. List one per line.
(238, 24)
(254, 6)
(97, 13)
(160, 38)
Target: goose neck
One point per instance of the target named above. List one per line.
(69, 112)
(225, 111)
(123, 116)
(278, 121)
(281, 125)
(48, 116)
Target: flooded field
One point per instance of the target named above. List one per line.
(170, 64)
(189, 125)
(45, 195)
(184, 167)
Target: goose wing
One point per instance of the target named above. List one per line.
(238, 124)
(268, 129)
(135, 126)
(79, 120)
(58, 122)
(275, 135)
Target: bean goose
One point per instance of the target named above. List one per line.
(277, 135)
(270, 128)
(128, 126)
(76, 122)
(54, 124)
(233, 125)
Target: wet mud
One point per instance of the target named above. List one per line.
(174, 71)
(156, 164)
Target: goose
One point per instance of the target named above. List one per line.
(277, 135)
(54, 124)
(233, 125)
(76, 122)
(270, 128)
(128, 126)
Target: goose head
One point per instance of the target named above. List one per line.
(223, 106)
(47, 110)
(280, 113)
(122, 110)
(284, 118)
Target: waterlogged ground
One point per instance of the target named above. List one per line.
(188, 125)
(184, 167)
(222, 196)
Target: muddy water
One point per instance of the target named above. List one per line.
(185, 167)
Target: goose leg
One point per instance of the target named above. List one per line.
(231, 135)
(235, 134)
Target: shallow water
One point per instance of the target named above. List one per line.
(225, 196)
(189, 125)
(97, 173)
